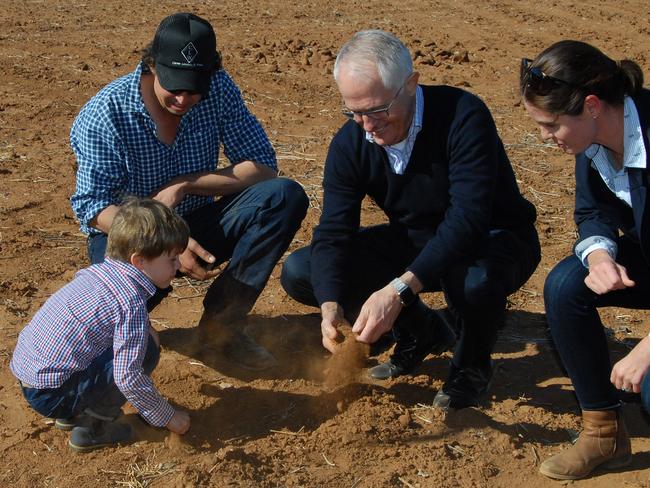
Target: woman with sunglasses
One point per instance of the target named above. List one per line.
(596, 108)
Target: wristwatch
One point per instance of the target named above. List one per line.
(406, 295)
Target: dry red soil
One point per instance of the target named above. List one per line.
(292, 427)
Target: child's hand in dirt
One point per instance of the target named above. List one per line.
(179, 423)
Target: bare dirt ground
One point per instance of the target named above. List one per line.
(291, 427)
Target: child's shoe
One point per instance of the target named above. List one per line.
(98, 434)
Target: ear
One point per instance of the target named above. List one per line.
(137, 260)
(593, 105)
(412, 83)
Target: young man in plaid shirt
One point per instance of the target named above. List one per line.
(157, 132)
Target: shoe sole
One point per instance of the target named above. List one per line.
(63, 425)
(610, 465)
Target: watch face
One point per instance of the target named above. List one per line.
(406, 295)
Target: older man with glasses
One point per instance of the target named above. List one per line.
(431, 159)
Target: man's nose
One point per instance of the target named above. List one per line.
(182, 97)
(368, 123)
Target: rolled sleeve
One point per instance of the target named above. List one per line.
(243, 137)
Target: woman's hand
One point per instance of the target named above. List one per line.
(605, 274)
(628, 373)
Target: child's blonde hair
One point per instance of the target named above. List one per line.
(147, 227)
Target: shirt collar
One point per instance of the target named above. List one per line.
(135, 275)
(133, 98)
(634, 154)
(416, 122)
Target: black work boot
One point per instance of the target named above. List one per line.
(227, 304)
(413, 345)
(464, 387)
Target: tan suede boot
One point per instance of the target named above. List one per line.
(603, 442)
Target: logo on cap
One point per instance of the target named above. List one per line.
(189, 52)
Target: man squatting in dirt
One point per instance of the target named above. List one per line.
(431, 159)
(156, 132)
(90, 347)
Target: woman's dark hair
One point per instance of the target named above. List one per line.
(560, 78)
(148, 59)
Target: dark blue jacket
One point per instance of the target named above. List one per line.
(598, 212)
(458, 185)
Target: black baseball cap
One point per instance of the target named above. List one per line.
(185, 52)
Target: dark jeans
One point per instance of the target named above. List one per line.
(475, 288)
(252, 229)
(578, 334)
(93, 388)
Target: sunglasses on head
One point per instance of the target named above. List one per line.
(538, 81)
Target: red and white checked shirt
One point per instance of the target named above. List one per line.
(104, 306)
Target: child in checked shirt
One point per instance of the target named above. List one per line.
(90, 348)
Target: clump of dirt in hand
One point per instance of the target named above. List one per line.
(347, 362)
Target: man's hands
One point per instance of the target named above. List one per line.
(377, 315)
(332, 319)
(605, 274)
(380, 311)
(179, 423)
(628, 373)
(190, 265)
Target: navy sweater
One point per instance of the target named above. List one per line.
(457, 186)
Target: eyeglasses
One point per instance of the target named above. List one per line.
(380, 113)
(538, 81)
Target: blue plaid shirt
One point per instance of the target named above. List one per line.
(118, 152)
(104, 306)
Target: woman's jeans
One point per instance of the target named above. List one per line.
(94, 388)
(579, 336)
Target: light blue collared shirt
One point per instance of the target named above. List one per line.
(634, 156)
(400, 153)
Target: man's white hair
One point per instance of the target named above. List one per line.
(378, 50)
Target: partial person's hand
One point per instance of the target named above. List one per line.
(628, 373)
(332, 319)
(377, 315)
(179, 423)
(171, 194)
(191, 266)
(605, 274)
